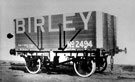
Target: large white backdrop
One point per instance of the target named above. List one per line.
(122, 9)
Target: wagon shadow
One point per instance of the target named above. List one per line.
(18, 66)
(59, 70)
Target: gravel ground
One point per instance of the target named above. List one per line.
(16, 72)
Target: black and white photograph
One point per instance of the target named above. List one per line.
(67, 41)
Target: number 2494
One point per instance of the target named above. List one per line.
(79, 44)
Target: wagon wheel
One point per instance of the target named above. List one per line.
(84, 69)
(103, 66)
(33, 64)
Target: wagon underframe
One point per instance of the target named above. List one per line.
(89, 61)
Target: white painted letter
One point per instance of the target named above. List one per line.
(29, 25)
(65, 22)
(50, 26)
(85, 20)
(20, 26)
(39, 24)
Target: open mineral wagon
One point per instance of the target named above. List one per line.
(83, 40)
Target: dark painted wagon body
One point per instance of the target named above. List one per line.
(82, 39)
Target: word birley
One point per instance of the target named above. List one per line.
(48, 23)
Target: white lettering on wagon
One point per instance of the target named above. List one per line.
(29, 25)
(85, 20)
(50, 26)
(20, 28)
(67, 22)
(79, 44)
(29, 46)
(39, 22)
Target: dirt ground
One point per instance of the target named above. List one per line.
(11, 71)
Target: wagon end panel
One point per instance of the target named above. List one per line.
(106, 31)
(109, 32)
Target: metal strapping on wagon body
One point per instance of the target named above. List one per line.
(72, 38)
(39, 44)
(64, 39)
(32, 40)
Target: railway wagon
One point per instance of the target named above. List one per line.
(83, 40)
